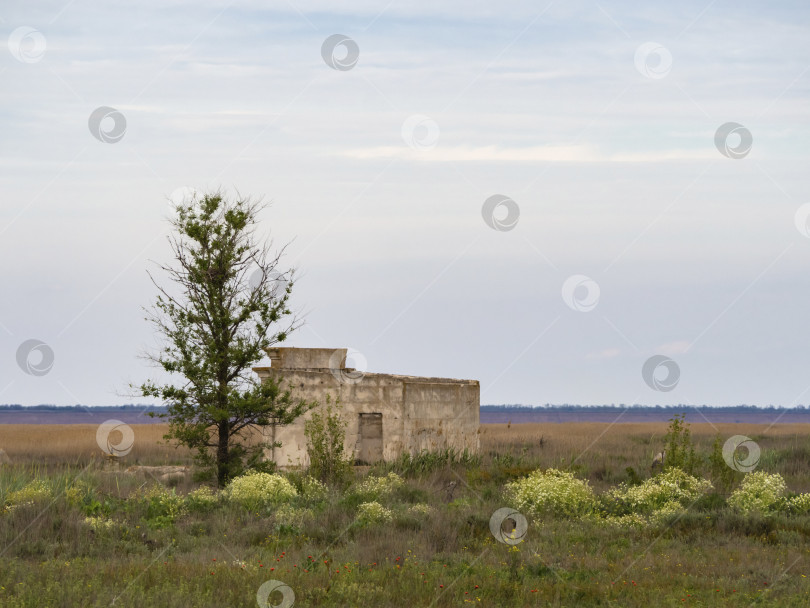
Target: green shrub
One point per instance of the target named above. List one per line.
(93, 506)
(78, 493)
(722, 474)
(710, 502)
(680, 452)
(325, 433)
(759, 492)
(254, 490)
(551, 491)
(633, 478)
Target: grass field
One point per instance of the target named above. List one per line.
(93, 535)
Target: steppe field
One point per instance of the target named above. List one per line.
(78, 530)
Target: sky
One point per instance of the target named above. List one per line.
(571, 202)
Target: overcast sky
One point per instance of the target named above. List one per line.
(598, 127)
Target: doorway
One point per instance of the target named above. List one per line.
(370, 439)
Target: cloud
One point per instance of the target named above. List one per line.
(608, 353)
(585, 153)
(679, 347)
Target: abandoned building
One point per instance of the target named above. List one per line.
(387, 414)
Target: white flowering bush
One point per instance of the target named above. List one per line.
(254, 490)
(799, 504)
(551, 491)
(373, 513)
(99, 524)
(202, 499)
(420, 510)
(759, 492)
(287, 515)
(163, 506)
(625, 522)
(379, 487)
(667, 512)
(671, 490)
(35, 491)
(313, 489)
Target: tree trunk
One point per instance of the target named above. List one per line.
(222, 454)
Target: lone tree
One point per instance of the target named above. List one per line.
(215, 325)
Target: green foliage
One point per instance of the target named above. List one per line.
(680, 452)
(722, 475)
(551, 491)
(91, 505)
(77, 493)
(215, 325)
(633, 478)
(710, 502)
(325, 433)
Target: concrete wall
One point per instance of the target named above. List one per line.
(417, 413)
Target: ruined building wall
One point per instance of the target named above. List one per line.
(416, 413)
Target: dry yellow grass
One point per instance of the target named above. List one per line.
(581, 437)
(76, 443)
(600, 451)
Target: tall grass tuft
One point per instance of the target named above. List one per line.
(425, 461)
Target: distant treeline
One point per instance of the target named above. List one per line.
(82, 408)
(565, 407)
(584, 409)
